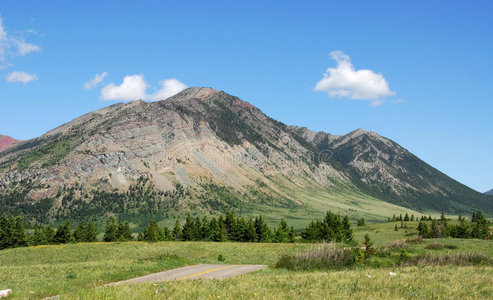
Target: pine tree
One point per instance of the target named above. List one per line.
(49, 234)
(348, 232)
(5, 232)
(80, 232)
(434, 233)
(63, 234)
(281, 234)
(396, 228)
(38, 237)
(91, 232)
(406, 218)
(177, 231)
(111, 231)
(153, 233)
(124, 232)
(188, 229)
(423, 230)
(250, 234)
(412, 217)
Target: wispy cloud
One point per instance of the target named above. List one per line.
(346, 82)
(18, 76)
(14, 45)
(94, 82)
(134, 87)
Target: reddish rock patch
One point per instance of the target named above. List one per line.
(6, 142)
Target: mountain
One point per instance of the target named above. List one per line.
(6, 142)
(490, 192)
(203, 151)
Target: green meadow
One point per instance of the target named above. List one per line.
(78, 271)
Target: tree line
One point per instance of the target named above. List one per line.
(227, 227)
(478, 228)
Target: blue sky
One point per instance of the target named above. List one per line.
(434, 57)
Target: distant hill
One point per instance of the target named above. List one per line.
(6, 142)
(490, 192)
(204, 151)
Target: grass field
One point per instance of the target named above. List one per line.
(79, 270)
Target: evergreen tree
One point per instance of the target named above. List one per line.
(406, 218)
(250, 234)
(111, 231)
(49, 233)
(396, 228)
(124, 232)
(177, 231)
(153, 233)
(38, 237)
(188, 229)
(434, 233)
(80, 232)
(347, 230)
(63, 234)
(281, 234)
(91, 232)
(412, 217)
(423, 230)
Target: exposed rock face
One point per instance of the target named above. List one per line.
(6, 142)
(204, 150)
(387, 171)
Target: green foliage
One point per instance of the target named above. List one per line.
(12, 232)
(332, 228)
(361, 222)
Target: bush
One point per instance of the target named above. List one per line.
(458, 259)
(449, 246)
(398, 245)
(324, 257)
(434, 246)
(417, 240)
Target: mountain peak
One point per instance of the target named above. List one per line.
(490, 192)
(194, 92)
(6, 142)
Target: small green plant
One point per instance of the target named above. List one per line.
(220, 257)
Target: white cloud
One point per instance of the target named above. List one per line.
(169, 87)
(98, 78)
(9, 42)
(376, 103)
(25, 48)
(344, 81)
(134, 87)
(23, 77)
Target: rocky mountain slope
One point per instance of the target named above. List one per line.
(204, 151)
(6, 142)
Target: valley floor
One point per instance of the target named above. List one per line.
(80, 270)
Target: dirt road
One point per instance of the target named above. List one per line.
(194, 272)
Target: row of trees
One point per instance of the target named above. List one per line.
(479, 228)
(13, 233)
(226, 227)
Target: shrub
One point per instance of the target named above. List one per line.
(326, 256)
(434, 246)
(458, 259)
(398, 245)
(416, 240)
(449, 246)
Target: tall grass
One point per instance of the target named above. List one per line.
(325, 256)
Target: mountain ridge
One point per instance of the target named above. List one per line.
(6, 142)
(205, 151)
